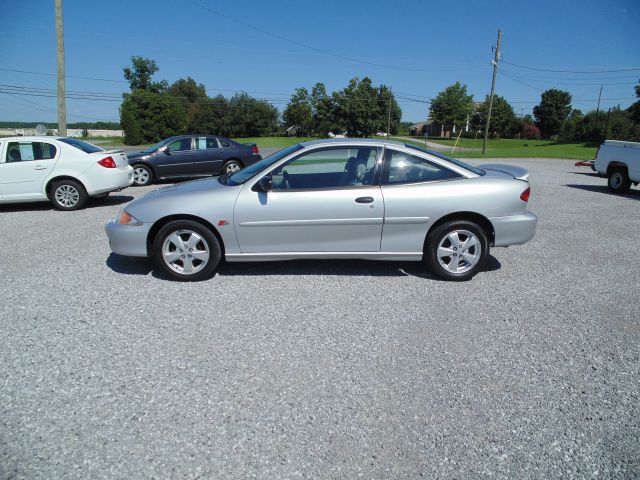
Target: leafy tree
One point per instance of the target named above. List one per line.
(530, 131)
(190, 94)
(322, 105)
(452, 106)
(552, 111)
(140, 73)
(249, 117)
(388, 108)
(502, 117)
(151, 116)
(574, 127)
(299, 111)
(634, 109)
(210, 115)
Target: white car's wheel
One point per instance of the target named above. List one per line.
(68, 195)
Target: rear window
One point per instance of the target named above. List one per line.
(86, 147)
(455, 161)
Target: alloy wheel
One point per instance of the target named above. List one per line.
(140, 175)
(232, 167)
(459, 251)
(67, 196)
(185, 252)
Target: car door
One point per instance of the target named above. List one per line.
(415, 190)
(323, 200)
(176, 160)
(24, 168)
(207, 156)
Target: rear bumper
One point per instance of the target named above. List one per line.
(514, 230)
(129, 240)
(110, 180)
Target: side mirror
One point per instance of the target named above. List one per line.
(166, 150)
(264, 184)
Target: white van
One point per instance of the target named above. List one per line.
(620, 163)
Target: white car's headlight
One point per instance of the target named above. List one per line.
(125, 218)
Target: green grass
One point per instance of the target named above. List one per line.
(505, 147)
(274, 142)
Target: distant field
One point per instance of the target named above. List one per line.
(517, 148)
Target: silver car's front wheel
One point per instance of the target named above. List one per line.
(456, 250)
(187, 250)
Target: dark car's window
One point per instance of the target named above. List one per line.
(401, 167)
(327, 168)
(224, 143)
(161, 143)
(252, 170)
(86, 147)
(203, 143)
(180, 145)
(455, 161)
(27, 151)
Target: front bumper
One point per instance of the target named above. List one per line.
(514, 229)
(129, 240)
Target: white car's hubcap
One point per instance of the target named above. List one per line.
(67, 196)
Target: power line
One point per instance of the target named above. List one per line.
(634, 69)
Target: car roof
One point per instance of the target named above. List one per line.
(350, 141)
(31, 138)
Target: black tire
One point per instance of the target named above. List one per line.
(142, 175)
(618, 181)
(207, 242)
(464, 269)
(68, 195)
(232, 166)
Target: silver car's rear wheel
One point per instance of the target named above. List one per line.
(187, 250)
(459, 251)
(456, 250)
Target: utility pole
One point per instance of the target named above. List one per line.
(598, 108)
(606, 126)
(493, 87)
(62, 107)
(389, 115)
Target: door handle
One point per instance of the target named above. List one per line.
(364, 200)
(39, 167)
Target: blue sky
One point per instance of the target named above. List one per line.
(416, 47)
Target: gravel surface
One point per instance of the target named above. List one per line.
(332, 369)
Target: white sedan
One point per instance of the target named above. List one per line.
(65, 171)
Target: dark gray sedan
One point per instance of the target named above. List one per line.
(191, 155)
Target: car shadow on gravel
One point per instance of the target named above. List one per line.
(111, 200)
(359, 268)
(633, 194)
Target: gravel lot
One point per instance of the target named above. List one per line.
(326, 369)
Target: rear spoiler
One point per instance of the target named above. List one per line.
(518, 173)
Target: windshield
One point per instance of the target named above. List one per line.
(471, 168)
(243, 175)
(155, 147)
(86, 147)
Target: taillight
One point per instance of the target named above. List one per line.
(524, 196)
(107, 162)
(254, 150)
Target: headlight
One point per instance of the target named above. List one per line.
(125, 218)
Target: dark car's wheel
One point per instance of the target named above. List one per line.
(231, 166)
(619, 181)
(142, 175)
(456, 250)
(68, 195)
(187, 250)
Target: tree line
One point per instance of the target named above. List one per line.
(154, 110)
(553, 118)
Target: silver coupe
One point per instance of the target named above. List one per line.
(328, 199)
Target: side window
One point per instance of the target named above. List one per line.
(180, 145)
(224, 143)
(212, 142)
(203, 143)
(27, 151)
(327, 168)
(403, 167)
